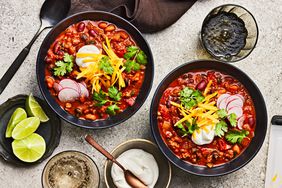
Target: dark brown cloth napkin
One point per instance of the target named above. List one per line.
(147, 15)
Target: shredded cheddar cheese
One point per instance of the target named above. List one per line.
(204, 113)
(98, 77)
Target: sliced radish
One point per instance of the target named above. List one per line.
(220, 98)
(222, 104)
(240, 122)
(236, 110)
(232, 98)
(68, 95)
(234, 103)
(83, 83)
(243, 99)
(57, 87)
(84, 91)
(68, 83)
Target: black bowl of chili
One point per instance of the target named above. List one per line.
(113, 37)
(230, 148)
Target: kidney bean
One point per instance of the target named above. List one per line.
(251, 121)
(201, 85)
(110, 28)
(48, 60)
(56, 47)
(61, 53)
(123, 34)
(92, 33)
(80, 27)
(102, 25)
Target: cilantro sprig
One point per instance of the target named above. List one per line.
(105, 65)
(235, 136)
(101, 99)
(134, 58)
(232, 119)
(112, 109)
(187, 128)
(65, 66)
(221, 128)
(190, 97)
(114, 93)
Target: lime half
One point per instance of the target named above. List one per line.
(25, 128)
(18, 115)
(29, 149)
(34, 109)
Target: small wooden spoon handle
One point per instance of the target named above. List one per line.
(93, 143)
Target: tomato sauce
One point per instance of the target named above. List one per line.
(219, 151)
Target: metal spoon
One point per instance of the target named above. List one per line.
(130, 178)
(52, 11)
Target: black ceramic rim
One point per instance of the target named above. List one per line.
(261, 119)
(67, 151)
(121, 23)
(51, 145)
(207, 17)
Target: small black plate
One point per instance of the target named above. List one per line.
(50, 130)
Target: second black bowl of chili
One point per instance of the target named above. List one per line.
(95, 69)
(208, 118)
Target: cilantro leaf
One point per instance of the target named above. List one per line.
(64, 67)
(114, 93)
(221, 128)
(112, 109)
(61, 69)
(68, 58)
(100, 97)
(105, 65)
(187, 128)
(183, 131)
(131, 65)
(131, 52)
(236, 136)
(233, 119)
(141, 58)
(190, 97)
(222, 113)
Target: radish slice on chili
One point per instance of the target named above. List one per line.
(222, 104)
(240, 122)
(232, 98)
(68, 83)
(236, 110)
(243, 99)
(221, 98)
(57, 87)
(237, 102)
(84, 92)
(68, 95)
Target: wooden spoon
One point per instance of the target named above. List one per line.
(130, 178)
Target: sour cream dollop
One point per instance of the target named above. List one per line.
(89, 49)
(204, 135)
(142, 164)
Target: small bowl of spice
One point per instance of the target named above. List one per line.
(229, 33)
(143, 158)
(70, 169)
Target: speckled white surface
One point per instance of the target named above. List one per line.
(171, 47)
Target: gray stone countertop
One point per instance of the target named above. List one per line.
(171, 47)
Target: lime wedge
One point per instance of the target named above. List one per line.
(34, 109)
(18, 115)
(25, 128)
(29, 149)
